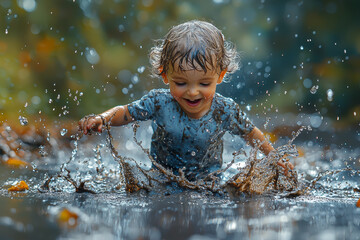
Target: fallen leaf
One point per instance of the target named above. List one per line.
(21, 186)
(68, 217)
(15, 162)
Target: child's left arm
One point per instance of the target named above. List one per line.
(257, 137)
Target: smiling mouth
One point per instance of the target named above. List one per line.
(193, 103)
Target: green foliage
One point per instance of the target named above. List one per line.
(68, 58)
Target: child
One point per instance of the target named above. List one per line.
(190, 118)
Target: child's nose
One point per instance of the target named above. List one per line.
(193, 91)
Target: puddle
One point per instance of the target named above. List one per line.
(87, 180)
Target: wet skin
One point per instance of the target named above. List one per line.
(193, 89)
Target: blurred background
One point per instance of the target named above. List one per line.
(63, 59)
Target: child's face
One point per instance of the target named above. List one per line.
(193, 89)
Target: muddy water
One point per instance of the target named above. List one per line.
(326, 211)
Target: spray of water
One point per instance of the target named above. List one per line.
(259, 176)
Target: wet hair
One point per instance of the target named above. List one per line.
(195, 44)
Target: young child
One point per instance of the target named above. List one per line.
(189, 118)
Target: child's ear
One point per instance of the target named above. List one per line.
(163, 75)
(221, 76)
(165, 79)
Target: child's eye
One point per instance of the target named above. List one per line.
(179, 83)
(204, 84)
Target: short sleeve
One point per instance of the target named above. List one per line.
(144, 108)
(238, 123)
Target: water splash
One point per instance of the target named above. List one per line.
(258, 175)
(23, 121)
(243, 181)
(63, 132)
(314, 89)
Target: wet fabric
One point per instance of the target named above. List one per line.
(180, 141)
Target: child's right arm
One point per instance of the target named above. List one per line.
(117, 116)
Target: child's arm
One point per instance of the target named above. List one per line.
(117, 116)
(257, 137)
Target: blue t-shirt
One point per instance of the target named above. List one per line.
(180, 141)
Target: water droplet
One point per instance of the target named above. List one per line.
(315, 120)
(27, 5)
(26, 104)
(307, 83)
(23, 120)
(135, 79)
(259, 65)
(141, 69)
(42, 151)
(301, 48)
(121, 28)
(267, 69)
(330, 94)
(193, 153)
(248, 107)
(50, 100)
(63, 132)
(6, 31)
(314, 89)
(92, 56)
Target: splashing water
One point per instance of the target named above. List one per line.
(324, 175)
(63, 132)
(23, 120)
(314, 89)
(258, 176)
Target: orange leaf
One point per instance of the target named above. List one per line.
(24, 57)
(358, 203)
(21, 186)
(46, 46)
(15, 162)
(68, 217)
(271, 136)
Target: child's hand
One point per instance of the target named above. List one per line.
(91, 123)
(286, 165)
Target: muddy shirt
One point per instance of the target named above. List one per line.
(179, 141)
